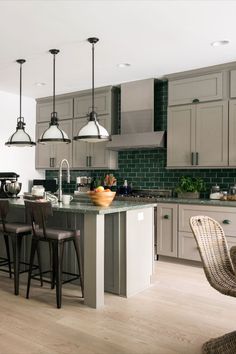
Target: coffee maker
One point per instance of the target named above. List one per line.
(9, 187)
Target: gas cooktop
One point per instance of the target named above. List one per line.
(145, 195)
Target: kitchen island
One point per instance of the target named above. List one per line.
(119, 236)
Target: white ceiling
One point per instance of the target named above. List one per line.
(155, 37)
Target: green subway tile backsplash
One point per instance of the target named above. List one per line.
(146, 168)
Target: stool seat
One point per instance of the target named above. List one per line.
(57, 234)
(16, 228)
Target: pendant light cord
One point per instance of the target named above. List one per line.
(54, 80)
(93, 77)
(20, 86)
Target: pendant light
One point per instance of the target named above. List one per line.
(54, 134)
(20, 138)
(93, 132)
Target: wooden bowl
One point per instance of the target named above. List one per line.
(102, 198)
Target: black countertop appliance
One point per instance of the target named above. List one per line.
(5, 178)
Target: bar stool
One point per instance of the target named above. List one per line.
(56, 238)
(16, 232)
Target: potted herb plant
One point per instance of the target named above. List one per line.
(190, 187)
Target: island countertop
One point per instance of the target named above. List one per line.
(85, 207)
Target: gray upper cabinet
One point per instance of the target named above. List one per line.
(102, 102)
(233, 83)
(198, 135)
(72, 113)
(64, 109)
(93, 156)
(232, 132)
(49, 155)
(199, 88)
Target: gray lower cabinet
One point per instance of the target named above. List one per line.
(202, 88)
(92, 156)
(233, 83)
(174, 235)
(49, 155)
(192, 129)
(167, 229)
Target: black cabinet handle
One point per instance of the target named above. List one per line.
(227, 222)
(196, 158)
(52, 161)
(166, 216)
(195, 100)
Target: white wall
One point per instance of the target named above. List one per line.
(13, 159)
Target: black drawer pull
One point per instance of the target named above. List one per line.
(195, 100)
(227, 222)
(166, 216)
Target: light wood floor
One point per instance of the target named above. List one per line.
(176, 315)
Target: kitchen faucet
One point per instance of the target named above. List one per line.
(60, 177)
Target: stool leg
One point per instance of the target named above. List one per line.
(52, 265)
(16, 246)
(8, 254)
(39, 262)
(34, 245)
(80, 265)
(58, 248)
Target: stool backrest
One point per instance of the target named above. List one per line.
(37, 213)
(213, 249)
(4, 209)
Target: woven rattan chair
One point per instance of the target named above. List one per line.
(219, 270)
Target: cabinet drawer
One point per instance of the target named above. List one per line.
(64, 109)
(226, 216)
(233, 83)
(203, 88)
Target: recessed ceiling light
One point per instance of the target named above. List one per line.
(219, 43)
(39, 84)
(123, 65)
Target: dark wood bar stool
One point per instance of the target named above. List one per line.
(16, 232)
(39, 212)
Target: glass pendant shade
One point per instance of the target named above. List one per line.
(53, 134)
(20, 138)
(93, 132)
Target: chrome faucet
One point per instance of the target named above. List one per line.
(60, 177)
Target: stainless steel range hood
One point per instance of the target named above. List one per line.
(147, 140)
(137, 118)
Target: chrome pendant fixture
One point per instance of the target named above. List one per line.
(54, 134)
(20, 138)
(93, 132)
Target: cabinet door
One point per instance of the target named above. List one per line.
(232, 133)
(188, 247)
(167, 229)
(83, 104)
(212, 134)
(81, 149)
(64, 108)
(203, 88)
(233, 83)
(101, 157)
(64, 151)
(180, 136)
(44, 154)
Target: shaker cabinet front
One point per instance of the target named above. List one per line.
(92, 155)
(50, 155)
(198, 135)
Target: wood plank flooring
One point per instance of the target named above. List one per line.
(175, 315)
